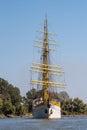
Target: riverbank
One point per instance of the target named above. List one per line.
(30, 115)
(82, 115)
(16, 116)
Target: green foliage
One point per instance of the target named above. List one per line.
(9, 97)
(32, 94)
(79, 106)
(1, 104)
(20, 110)
(14, 93)
(3, 89)
(9, 92)
(11, 101)
(63, 96)
(73, 107)
(8, 108)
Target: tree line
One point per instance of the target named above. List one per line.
(12, 103)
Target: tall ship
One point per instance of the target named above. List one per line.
(46, 106)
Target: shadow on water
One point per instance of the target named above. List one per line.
(65, 123)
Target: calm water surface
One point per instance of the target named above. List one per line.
(66, 123)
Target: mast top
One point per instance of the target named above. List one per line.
(46, 25)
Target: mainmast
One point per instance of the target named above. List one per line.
(45, 55)
(45, 68)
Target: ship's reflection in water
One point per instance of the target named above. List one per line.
(65, 123)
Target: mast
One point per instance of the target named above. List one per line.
(45, 68)
(45, 61)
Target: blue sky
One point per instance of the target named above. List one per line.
(19, 20)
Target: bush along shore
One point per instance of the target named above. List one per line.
(13, 105)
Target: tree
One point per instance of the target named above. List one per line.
(66, 107)
(32, 94)
(14, 93)
(1, 103)
(63, 96)
(79, 106)
(20, 110)
(75, 106)
(10, 92)
(9, 97)
(3, 89)
(8, 108)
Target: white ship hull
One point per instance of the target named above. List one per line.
(45, 111)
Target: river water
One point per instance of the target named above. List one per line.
(65, 123)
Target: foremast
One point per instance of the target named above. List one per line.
(45, 67)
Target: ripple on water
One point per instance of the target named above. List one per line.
(66, 123)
